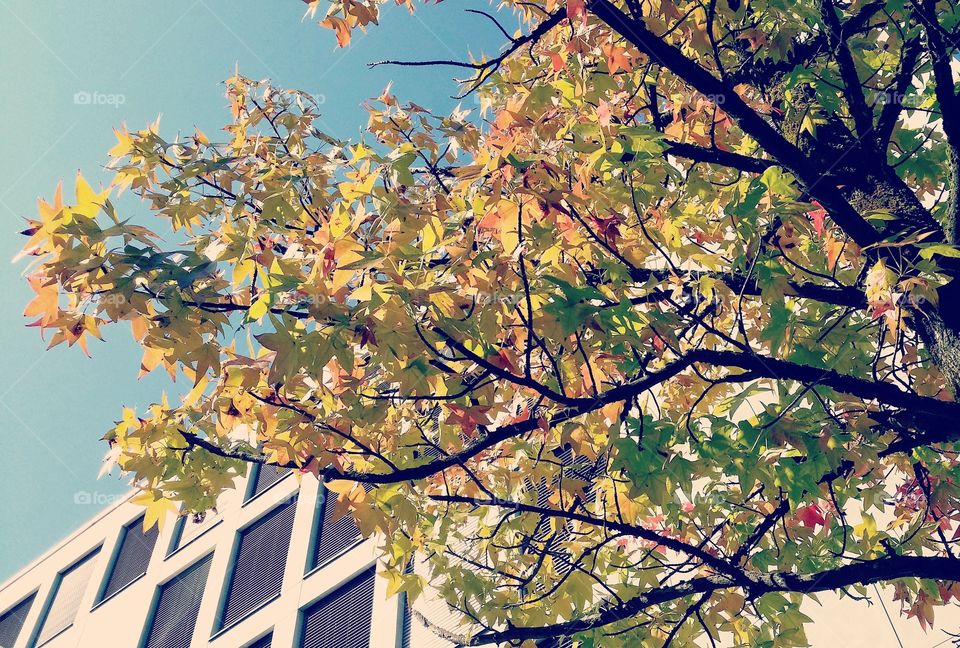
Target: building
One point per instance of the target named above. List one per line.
(270, 568)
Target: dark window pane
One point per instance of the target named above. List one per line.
(265, 641)
(177, 607)
(136, 547)
(334, 536)
(341, 619)
(191, 526)
(264, 477)
(260, 559)
(11, 621)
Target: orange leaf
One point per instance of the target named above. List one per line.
(558, 61)
(341, 27)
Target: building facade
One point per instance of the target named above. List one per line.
(272, 567)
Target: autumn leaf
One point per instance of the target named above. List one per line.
(682, 293)
(810, 516)
(340, 26)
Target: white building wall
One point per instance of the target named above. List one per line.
(120, 620)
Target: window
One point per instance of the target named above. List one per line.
(417, 635)
(414, 633)
(190, 527)
(332, 536)
(266, 641)
(258, 563)
(341, 619)
(178, 603)
(263, 477)
(11, 621)
(132, 558)
(68, 590)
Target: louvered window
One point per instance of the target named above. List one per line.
(570, 467)
(260, 558)
(333, 536)
(68, 591)
(11, 621)
(341, 619)
(263, 477)
(417, 635)
(178, 604)
(435, 609)
(407, 618)
(136, 547)
(190, 527)
(266, 641)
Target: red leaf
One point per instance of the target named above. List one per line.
(810, 516)
(817, 216)
(577, 8)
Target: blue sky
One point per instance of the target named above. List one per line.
(141, 59)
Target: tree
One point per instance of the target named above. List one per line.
(662, 342)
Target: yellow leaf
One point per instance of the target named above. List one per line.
(432, 234)
(259, 308)
(364, 293)
(242, 270)
(151, 358)
(89, 202)
(156, 509)
(867, 528)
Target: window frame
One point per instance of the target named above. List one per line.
(32, 595)
(112, 564)
(260, 637)
(173, 546)
(158, 590)
(248, 494)
(316, 528)
(34, 638)
(219, 627)
(299, 628)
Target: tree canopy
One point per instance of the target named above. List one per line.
(652, 341)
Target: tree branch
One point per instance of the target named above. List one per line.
(718, 156)
(785, 153)
(946, 93)
(721, 566)
(485, 68)
(940, 415)
(860, 573)
(861, 113)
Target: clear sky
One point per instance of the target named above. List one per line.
(139, 59)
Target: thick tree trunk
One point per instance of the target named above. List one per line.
(940, 329)
(870, 185)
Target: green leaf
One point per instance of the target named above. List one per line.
(941, 249)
